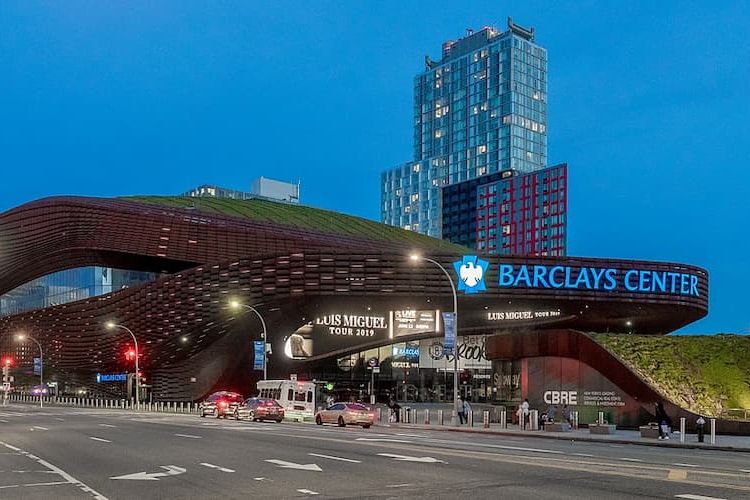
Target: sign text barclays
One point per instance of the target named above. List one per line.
(595, 278)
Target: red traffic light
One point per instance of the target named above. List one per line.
(7, 361)
(130, 354)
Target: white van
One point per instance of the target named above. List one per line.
(298, 399)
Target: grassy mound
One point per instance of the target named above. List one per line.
(302, 217)
(704, 374)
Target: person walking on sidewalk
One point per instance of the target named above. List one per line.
(701, 427)
(466, 407)
(525, 414)
(461, 406)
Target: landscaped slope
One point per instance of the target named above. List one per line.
(703, 374)
(288, 214)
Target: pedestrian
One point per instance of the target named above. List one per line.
(461, 414)
(395, 413)
(566, 414)
(665, 423)
(466, 409)
(701, 426)
(525, 413)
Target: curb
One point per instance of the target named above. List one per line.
(541, 435)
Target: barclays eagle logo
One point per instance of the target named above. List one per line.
(471, 270)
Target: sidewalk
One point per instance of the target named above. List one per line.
(723, 443)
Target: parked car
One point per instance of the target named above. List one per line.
(259, 409)
(345, 414)
(220, 404)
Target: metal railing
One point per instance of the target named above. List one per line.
(122, 404)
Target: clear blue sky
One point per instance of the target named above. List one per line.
(648, 105)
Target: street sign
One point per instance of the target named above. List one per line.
(293, 377)
(449, 320)
(375, 369)
(259, 354)
(6, 386)
(37, 366)
(372, 363)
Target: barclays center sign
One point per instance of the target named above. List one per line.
(471, 273)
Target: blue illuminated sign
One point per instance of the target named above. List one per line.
(470, 271)
(258, 358)
(596, 278)
(405, 352)
(449, 323)
(111, 377)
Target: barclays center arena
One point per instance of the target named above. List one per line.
(337, 295)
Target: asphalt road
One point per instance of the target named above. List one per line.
(66, 453)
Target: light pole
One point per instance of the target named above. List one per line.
(417, 258)
(21, 337)
(111, 325)
(236, 304)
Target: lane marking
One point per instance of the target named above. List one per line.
(60, 419)
(341, 459)
(308, 492)
(108, 425)
(697, 497)
(212, 466)
(291, 465)
(55, 483)
(190, 436)
(398, 485)
(588, 455)
(383, 440)
(171, 470)
(745, 470)
(625, 459)
(405, 458)
(3, 421)
(100, 439)
(40, 428)
(70, 479)
(686, 465)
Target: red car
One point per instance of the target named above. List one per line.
(220, 404)
(260, 409)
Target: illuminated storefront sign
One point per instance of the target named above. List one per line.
(412, 321)
(111, 377)
(470, 271)
(596, 278)
(352, 324)
(471, 354)
(520, 315)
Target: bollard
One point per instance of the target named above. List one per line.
(440, 417)
(427, 417)
(534, 420)
(503, 419)
(574, 420)
(682, 429)
(713, 431)
(378, 413)
(470, 418)
(600, 419)
(486, 419)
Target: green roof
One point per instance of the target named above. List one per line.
(302, 217)
(707, 374)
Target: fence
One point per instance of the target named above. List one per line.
(122, 404)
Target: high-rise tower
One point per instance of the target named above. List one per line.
(480, 109)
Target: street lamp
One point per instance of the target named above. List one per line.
(416, 258)
(236, 304)
(21, 337)
(111, 325)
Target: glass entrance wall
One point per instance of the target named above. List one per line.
(69, 286)
(418, 371)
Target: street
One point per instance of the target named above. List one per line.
(70, 453)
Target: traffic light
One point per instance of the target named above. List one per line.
(130, 354)
(7, 361)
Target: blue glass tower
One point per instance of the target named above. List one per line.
(480, 109)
